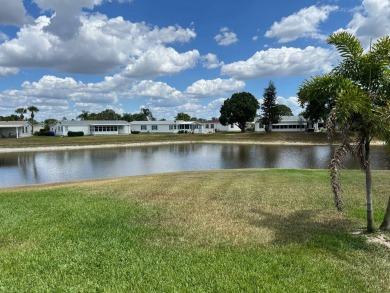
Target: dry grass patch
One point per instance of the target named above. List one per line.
(231, 206)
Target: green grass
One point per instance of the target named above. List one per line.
(220, 231)
(304, 137)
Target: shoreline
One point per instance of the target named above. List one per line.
(141, 144)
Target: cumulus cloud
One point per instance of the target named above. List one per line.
(7, 71)
(211, 61)
(161, 61)
(282, 62)
(102, 45)
(291, 102)
(65, 21)
(14, 13)
(216, 87)
(152, 89)
(371, 20)
(226, 37)
(302, 24)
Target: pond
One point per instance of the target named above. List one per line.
(25, 168)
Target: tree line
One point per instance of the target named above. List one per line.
(242, 107)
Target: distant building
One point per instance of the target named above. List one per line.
(91, 127)
(289, 124)
(15, 129)
(177, 126)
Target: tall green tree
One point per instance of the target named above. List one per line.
(283, 110)
(359, 89)
(239, 109)
(183, 116)
(270, 113)
(21, 111)
(108, 114)
(32, 110)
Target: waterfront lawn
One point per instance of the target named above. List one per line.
(39, 141)
(216, 231)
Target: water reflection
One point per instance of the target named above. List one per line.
(42, 167)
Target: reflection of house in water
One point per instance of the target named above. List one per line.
(15, 129)
(290, 124)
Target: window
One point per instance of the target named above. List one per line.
(231, 125)
(212, 126)
(171, 127)
(143, 127)
(154, 127)
(207, 126)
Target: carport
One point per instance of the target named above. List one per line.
(15, 129)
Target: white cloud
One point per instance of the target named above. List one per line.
(291, 102)
(226, 37)
(151, 89)
(302, 24)
(13, 13)
(371, 20)
(102, 45)
(216, 87)
(161, 61)
(211, 61)
(7, 71)
(282, 62)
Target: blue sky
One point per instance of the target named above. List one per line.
(166, 55)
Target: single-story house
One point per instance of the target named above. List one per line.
(91, 127)
(288, 124)
(15, 129)
(168, 126)
(176, 126)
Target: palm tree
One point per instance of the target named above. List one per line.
(33, 110)
(84, 115)
(361, 88)
(21, 111)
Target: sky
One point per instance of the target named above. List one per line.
(169, 56)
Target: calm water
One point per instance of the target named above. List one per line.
(59, 166)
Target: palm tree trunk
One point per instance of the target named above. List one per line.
(370, 213)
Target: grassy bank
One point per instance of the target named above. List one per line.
(222, 231)
(37, 141)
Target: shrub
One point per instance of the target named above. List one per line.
(42, 132)
(135, 132)
(75, 133)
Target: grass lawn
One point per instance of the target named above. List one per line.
(245, 230)
(35, 141)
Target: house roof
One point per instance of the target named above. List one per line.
(91, 122)
(13, 123)
(167, 122)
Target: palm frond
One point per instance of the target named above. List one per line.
(347, 44)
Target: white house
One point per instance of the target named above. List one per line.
(226, 128)
(169, 126)
(176, 126)
(91, 127)
(287, 124)
(15, 129)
